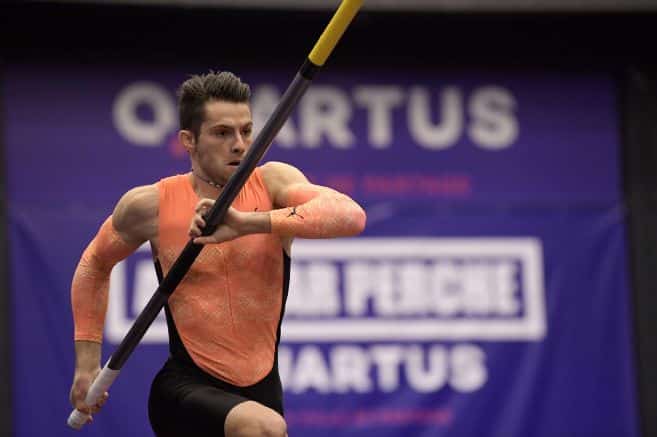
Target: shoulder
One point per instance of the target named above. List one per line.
(170, 181)
(277, 177)
(275, 172)
(136, 209)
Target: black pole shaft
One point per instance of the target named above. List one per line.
(216, 214)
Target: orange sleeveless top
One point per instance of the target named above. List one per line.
(227, 309)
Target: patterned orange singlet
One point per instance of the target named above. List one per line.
(228, 308)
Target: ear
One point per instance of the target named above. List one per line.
(186, 138)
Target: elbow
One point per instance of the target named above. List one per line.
(358, 222)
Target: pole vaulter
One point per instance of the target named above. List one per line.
(316, 59)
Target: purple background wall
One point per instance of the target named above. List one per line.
(488, 295)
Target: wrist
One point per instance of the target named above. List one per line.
(87, 367)
(87, 356)
(86, 372)
(257, 223)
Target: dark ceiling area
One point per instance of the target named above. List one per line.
(93, 33)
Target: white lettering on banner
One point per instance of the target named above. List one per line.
(442, 288)
(379, 102)
(263, 102)
(494, 125)
(437, 119)
(358, 369)
(325, 111)
(445, 133)
(416, 289)
(131, 126)
(320, 294)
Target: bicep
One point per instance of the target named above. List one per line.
(283, 182)
(135, 215)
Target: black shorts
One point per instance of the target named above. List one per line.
(185, 401)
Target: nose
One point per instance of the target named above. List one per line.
(239, 145)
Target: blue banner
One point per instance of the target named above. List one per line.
(488, 295)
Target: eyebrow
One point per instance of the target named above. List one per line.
(229, 126)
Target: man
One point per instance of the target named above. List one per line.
(224, 317)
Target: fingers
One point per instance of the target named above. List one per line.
(78, 393)
(102, 401)
(90, 410)
(203, 206)
(196, 227)
(81, 385)
(82, 406)
(96, 408)
(210, 239)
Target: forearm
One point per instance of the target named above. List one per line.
(317, 212)
(89, 296)
(90, 285)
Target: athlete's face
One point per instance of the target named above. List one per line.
(223, 140)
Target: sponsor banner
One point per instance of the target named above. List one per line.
(487, 297)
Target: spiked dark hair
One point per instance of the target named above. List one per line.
(199, 89)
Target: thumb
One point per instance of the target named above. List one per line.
(82, 406)
(205, 240)
(78, 395)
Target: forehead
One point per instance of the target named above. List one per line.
(228, 113)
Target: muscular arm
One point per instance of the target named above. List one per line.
(306, 210)
(133, 221)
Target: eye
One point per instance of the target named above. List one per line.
(247, 132)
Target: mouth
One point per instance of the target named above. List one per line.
(234, 163)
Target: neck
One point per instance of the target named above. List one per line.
(206, 185)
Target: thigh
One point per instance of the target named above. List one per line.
(182, 405)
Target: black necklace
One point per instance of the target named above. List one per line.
(207, 181)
